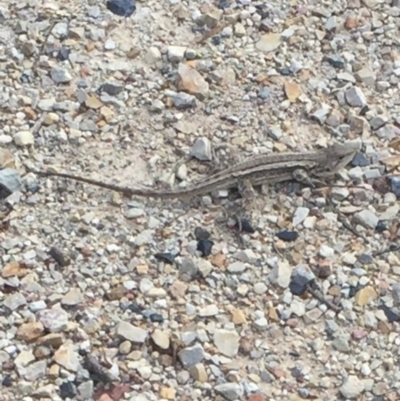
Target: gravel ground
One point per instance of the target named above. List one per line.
(105, 298)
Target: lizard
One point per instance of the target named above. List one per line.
(310, 167)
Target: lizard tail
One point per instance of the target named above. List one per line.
(126, 191)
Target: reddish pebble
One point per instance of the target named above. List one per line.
(256, 397)
(359, 334)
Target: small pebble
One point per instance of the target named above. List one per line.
(122, 8)
(205, 247)
(288, 235)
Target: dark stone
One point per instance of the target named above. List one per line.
(216, 40)
(166, 257)
(380, 227)
(297, 288)
(25, 78)
(164, 70)
(364, 110)
(288, 236)
(135, 308)
(63, 54)
(7, 382)
(365, 259)
(59, 256)
(78, 317)
(205, 247)
(4, 192)
(285, 71)
(301, 279)
(201, 233)
(111, 89)
(245, 226)
(262, 10)
(391, 314)
(296, 372)
(353, 291)
(4, 311)
(336, 62)
(67, 390)
(122, 8)
(324, 271)
(156, 318)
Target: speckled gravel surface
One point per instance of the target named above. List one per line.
(105, 298)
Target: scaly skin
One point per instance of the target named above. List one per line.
(258, 170)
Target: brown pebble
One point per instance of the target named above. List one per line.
(117, 293)
(256, 397)
(384, 327)
(238, 316)
(166, 360)
(14, 269)
(246, 345)
(351, 23)
(178, 289)
(273, 314)
(30, 331)
(219, 260)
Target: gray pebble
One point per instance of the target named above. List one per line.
(184, 101)
(341, 343)
(10, 181)
(236, 267)
(201, 149)
(352, 387)
(131, 333)
(320, 115)
(396, 293)
(355, 97)
(14, 301)
(264, 93)
(230, 391)
(86, 389)
(190, 356)
(60, 75)
(188, 269)
(227, 342)
(183, 377)
(366, 218)
(34, 371)
(378, 122)
(54, 320)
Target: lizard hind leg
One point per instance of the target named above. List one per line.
(301, 176)
(251, 200)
